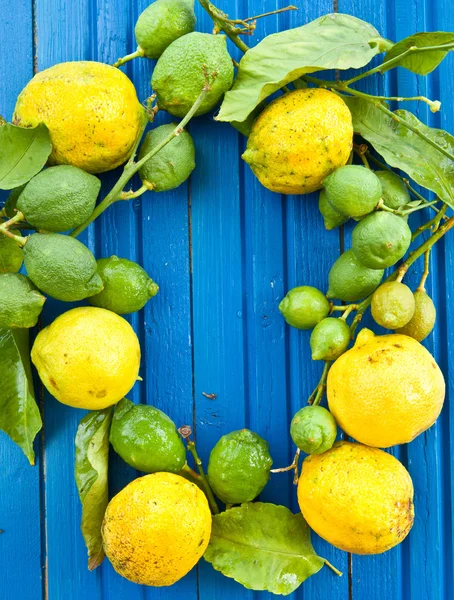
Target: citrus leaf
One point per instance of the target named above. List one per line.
(404, 149)
(23, 153)
(421, 63)
(335, 41)
(263, 547)
(91, 470)
(19, 414)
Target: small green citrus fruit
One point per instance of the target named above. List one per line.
(20, 302)
(423, 320)
(393, 305)
(352, 190)
(329, 339)
(394, 192)
(349, 280)
(313, 429)
(11, 255)
(331, 217)
(304, 306)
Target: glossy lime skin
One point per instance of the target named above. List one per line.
(61, 267)
(304, 306)
(127, 287)
(11, 255)
(239, 466)
(393, 305)
(329, 339)
(381, 239)
(20, 302)
(162, 23)
(352, 190)
(146, 438)
(331, 217)
(394, 192)
(350, 281)
(179, 75)
(59, 198)
(313, 429)
(172, 165)
(423, 320)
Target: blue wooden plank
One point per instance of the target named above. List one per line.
(20, 498)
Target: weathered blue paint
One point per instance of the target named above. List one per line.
(224, 251)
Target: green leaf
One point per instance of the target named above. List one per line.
(404, 149)
(335, 41)
(19, 414)
(263, 547)
(91, 470)
(421, 63)
(23, 153)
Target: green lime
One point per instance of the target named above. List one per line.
(162, 23)
(11, 255)
(59, 198)
(172, 165)
(180, 73)
(61, 266)
(239, 466)
(304, 306)
(313, 429)
(349, 280)
(393, 305)
(394, 190)
(380, 240)
(352, 190)
(329, 339)
(331, 217)
(146, 438)
(11, 201)
(423, 319)
(127, 287)
(20, 302)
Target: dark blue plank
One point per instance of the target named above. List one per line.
(20, 502)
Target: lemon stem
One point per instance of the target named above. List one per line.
(132, 167)
(317, 395)
(203, 478)
(293, 467)
(332, 567)
(348, 309)
(432, 224)
(139, 53)
(267, 14)
(5, 228)
(228, 26)
(129, 195)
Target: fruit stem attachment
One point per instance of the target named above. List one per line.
(132, 167)
(432, 224)
(317, 395)
(332, 567)
(139, 53)
(348, 309)
(293, 467)
(129, 195)
(185, 433)
(223, 23)
(4, 228)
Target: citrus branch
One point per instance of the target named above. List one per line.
(317, 395)
(6, 225)
(132, 167)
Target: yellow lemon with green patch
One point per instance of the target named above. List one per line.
(87, 358)
(156, 529)
(299, 139)
(91, 110)
(357, 498)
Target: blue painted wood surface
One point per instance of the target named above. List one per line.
(224, 251)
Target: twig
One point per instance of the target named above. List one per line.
(317, 395)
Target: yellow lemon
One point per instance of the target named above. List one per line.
(359, 499)
(87, 358)
(91, 110)
(299, 139)
(385, 390)
(156, 529)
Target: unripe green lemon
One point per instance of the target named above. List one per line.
(61, 266)
(11, 255)
(331, 217)
(162, 23)
(59, 198)
(20, 302)
(393, 305)
(239, 466)
(352, 190)
(423, 319)
(349, 280)
(127, 287)
(394, 191)
(172, 165)
(304, 306)
(381, 239)
(146, 438)
(313, 429)
(329, 339)
(180, 73)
